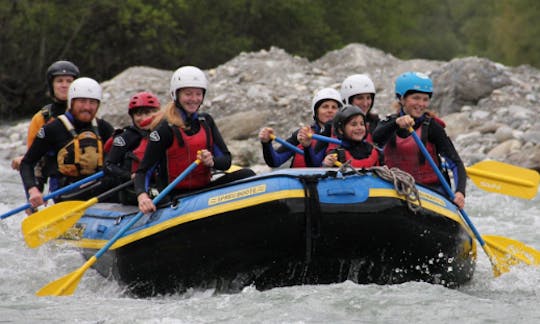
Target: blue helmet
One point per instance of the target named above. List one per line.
(413, 81)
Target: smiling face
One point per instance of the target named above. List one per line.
(84, 109)
(142, 114)
(61, 86)
(415, 104)
(363, 101)
(190, 99)
(355, 128)
(326, 111)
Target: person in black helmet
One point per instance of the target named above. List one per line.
(350, 127)
(59, 76)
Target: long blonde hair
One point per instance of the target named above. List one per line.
(171, 114)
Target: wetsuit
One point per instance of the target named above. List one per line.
(387, 130)
(160, 145)
(276, 157)
(121, 160)
(45, 115)
(52, 138)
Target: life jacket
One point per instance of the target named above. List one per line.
(371, 160)
(138, 154)
(46, 112)
(83, 155)
(406, 156)
(298, 159)
(183, 152)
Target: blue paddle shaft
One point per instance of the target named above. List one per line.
(326, 139)
(56, 193)
(140, 214)
(445, 184)
(289, 145)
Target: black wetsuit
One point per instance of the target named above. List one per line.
(387, 129)
(51, 138)
(162, 138)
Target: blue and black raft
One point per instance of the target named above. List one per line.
(287, 227)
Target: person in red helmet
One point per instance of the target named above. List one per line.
(126, 148)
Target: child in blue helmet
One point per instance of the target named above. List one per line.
(413, 91)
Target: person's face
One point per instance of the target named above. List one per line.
(326, 111)
(363, 101)
(84, 109)
(415, 104)
(142, 114)
(61, 85)
(355, 129)
(191, 99)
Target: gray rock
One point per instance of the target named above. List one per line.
(490, 110)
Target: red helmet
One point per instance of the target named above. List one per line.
(143, 99)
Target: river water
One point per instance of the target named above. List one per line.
(511, 298)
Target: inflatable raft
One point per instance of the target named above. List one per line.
(287, 227)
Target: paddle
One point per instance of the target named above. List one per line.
(286, 144)
(66, 285)
(56, 193)
(492, 176)
(498, 177)
(506, 257)
(53, 221)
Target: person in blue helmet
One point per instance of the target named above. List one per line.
(413, 92)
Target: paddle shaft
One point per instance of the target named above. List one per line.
(114, 190)
(326, 139)
(140, 214)
(56, 193)
(287, 144)
(450, 193)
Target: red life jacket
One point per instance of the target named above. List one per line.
(181, 155)
(405, 156)
(139, 154)
(298, 159)
(371, 160)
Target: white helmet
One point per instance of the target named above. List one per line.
(84, 88)
(356, 84)
(187, 77)
(325, 94)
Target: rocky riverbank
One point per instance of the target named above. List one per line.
(490, 110)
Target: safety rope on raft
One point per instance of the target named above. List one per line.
(404, 183)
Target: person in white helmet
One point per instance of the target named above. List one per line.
(182, 135)
(77, 128)
(359, 90)
(325, 105)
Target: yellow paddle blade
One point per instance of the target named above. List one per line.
(233, 168)
(509, 252)
(66, 285)
(53, 221)
(503, 178)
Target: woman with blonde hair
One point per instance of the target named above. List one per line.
(182, 135)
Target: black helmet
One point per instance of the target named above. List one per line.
(60, 68)
(343, 115)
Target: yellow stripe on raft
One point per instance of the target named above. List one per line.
(429, 202)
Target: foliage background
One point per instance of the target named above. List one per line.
(104, 37)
